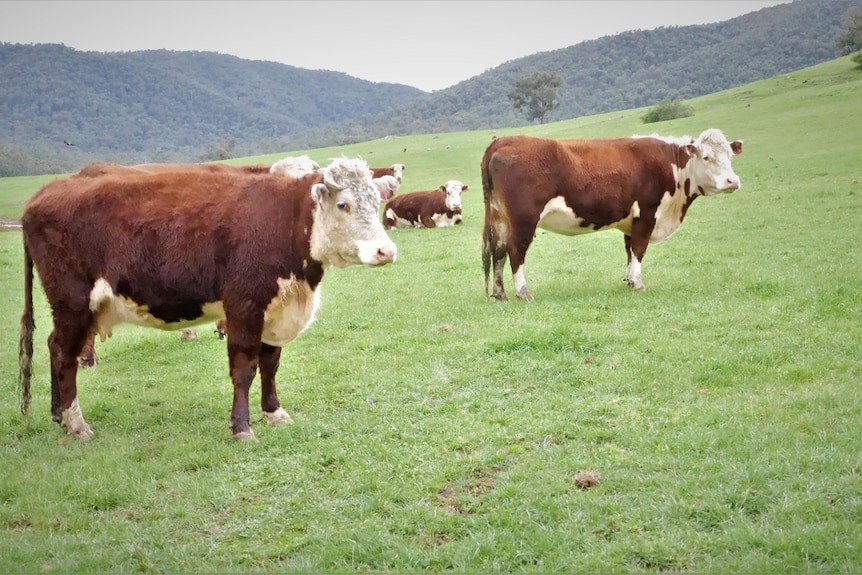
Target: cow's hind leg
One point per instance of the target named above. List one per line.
(269, 404)
(68, 337)
(518, 245)
(636, 245)
(494, 256)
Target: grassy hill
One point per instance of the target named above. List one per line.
(439, 432)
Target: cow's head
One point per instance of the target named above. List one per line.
(710, 167)
(453, 190)
(346, 229)
(397, 171)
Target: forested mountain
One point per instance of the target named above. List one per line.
(162, 105)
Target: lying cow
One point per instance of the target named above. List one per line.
(430, 209)
(642, 186)
(155, 250)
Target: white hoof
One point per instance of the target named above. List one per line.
(278, 417)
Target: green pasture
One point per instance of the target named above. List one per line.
(437, 432)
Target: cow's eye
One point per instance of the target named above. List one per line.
(343, 206)
(706, 158)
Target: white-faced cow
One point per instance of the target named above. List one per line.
(395, 170)
(183, 248)
(430, 209)
(642, 186)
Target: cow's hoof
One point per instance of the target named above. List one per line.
(245, 436)
(81, 432)
(524, 295)
(278, 417)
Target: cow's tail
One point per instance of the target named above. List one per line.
(25, 344)
(489, 240)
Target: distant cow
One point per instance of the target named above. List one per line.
(295, 166)
(430, 209)
(159, 251)
(396, 170)
(642, 186)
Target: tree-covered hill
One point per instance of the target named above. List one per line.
(161, 105)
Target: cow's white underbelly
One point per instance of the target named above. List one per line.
(287, 315)
(559, 218)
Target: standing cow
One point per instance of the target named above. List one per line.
(187, 247)
(642, 186)
(430, 209)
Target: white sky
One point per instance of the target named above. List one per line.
(430, 45)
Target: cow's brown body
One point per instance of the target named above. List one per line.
(169, 250)
(642, 186)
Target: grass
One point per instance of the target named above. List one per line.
(438, 432)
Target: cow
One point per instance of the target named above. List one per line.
(188, 247)
(294, 166)
(642, 186)
(395, 170)
(429, 209)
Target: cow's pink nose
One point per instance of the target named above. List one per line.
(386, 255)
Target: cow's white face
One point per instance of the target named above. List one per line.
(453, 190)
(397, 171)
(711, 171)
(347, 230)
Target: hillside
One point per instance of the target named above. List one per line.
(191, 106)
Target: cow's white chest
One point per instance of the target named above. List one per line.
(668, 216)
(290, 311)
(444, 221)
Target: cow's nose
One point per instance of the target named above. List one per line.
(732, 183)
(386, 254)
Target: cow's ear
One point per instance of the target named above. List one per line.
(736, 147)
(463, 188)
(318, 192)
(443, 187)
(691, 149)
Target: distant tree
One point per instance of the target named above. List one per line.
(849, 39)
(667, 110)
(536, 95)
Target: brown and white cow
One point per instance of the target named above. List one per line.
(395, 170)
(183, 248)
(642, 186)
(429, 209)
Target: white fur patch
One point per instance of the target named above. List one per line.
(110, 310)
(290, 312)
(73, 420)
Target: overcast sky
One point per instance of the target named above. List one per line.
(430, 45)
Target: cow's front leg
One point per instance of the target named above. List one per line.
(243, 351)
(269, 404)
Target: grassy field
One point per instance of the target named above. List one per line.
(435, 431)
